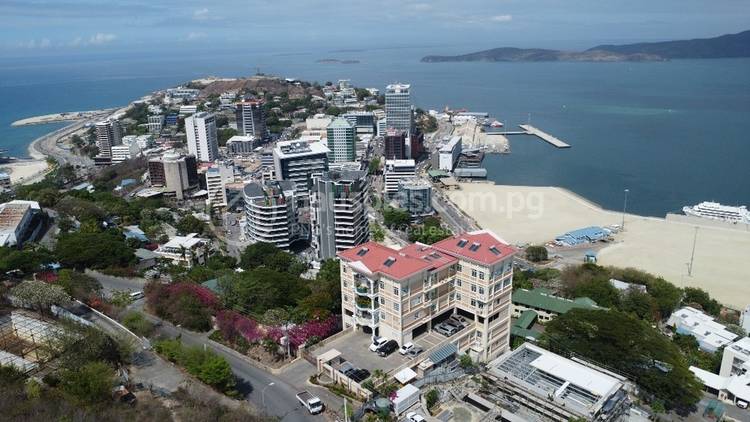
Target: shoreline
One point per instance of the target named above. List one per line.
(66, 116)
(661, 246)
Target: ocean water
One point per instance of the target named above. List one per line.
(673, 133)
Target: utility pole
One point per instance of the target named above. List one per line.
(624, 208)
(692, 255)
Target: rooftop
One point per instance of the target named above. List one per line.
(376, 258)
(708, 332)
(541, 299)
(482, 246)
(188, 242)
(298, 148)
(451, 144)
(340, 123)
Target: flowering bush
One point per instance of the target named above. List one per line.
(186, 304)
(205, 296)
(233, 325)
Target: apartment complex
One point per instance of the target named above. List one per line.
(398, 107)
(155, 124)
(342, 141)
(185, 251)
(108, 134)
(338, 215)
(216, 187)
(395, 171)
(173, 173)
(251, 119)
(202, 140)
(271, 213)
(299, 162)
(399, 293)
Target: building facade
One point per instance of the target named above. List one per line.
(271, 213)
(449, 154)
(251, 119)
(155, 124)
(108, 134)
(241, 146)
(175, 174)
(400, 294)
(338, 213)
(363, 121)
(216, 187)
(202, 139)
(415, 196)
(398, 107)
(395, 171)
(342, 141)
(394, 144)
(299, 162)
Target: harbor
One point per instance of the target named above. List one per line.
(531, 130)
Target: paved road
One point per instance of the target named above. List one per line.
(122, 284)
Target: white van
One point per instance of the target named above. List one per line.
(136, 295)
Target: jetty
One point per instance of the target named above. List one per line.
(531, 130)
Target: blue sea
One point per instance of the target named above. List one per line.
(673, 133)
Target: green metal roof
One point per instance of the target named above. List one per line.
(437, 173)
(541, 299)
(526, 320)
(212, 284)
(524, 333)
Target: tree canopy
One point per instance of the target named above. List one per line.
(83, 250)
(39, 295)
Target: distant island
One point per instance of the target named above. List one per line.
(337, 61)
(725, 46)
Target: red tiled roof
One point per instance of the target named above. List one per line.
(481, 246)
(374, 256)
(429, 254)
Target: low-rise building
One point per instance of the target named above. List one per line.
(185, 251)
(734, 389)
(551, 387)
(5, 182)
(415, 196)
(155, 124)
(241, 146)
(546, 305)
(399, 293)
(18, 222)
(449, 153)
(711, 335)
(736, 358)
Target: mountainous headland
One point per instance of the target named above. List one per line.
(725, 46)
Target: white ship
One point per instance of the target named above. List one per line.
(716, 211)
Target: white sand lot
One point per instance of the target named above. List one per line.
(523, 214)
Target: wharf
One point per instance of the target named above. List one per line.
(531, 130)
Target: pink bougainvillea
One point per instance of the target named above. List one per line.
(204, 295)
(232, 324)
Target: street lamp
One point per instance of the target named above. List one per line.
(624, 208)
(263, 395)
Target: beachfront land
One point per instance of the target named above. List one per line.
(524, 214)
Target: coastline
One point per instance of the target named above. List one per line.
(662, 246)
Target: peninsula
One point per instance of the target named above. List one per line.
(725, 46)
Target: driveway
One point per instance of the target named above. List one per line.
(110, 283)
(354, 347)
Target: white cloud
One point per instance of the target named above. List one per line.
(195, 36)
(200, 14)
(100, 38)
(501, 18)
(32, 44)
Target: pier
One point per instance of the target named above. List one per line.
(531, 130)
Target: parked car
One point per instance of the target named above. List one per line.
(414, 417)
(453, 323)
(459, 319)
(405, 348)
(360, 375)
(389, 347)
(377, 342)
(446, 330)
(414, 351)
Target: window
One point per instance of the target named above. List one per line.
(461, 243)
(416, 315)
(396, 306)
(473, 273)
(507, 282)
(458, 296)
(481, 275)
(452, 296)
(479, 334)
(382, 285)
(474, 247)
(480, 305)
(395, 291)
(346, 284)
(362, 252)
(345, 269)
(458, 267)
(481, 290)
(494, 250)
(474, 288)
(346, 298)
(382, 315)
(382, 301)
(390, 261)
(458, 282)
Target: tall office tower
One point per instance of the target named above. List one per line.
(271, 213)
(108, 134)
(251, 119)
(398, 107)
(338, 214)
(174, 173)
(341, 141)
(395, 144)
(299, 161)
(202, 139)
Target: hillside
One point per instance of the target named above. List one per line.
(732, 45)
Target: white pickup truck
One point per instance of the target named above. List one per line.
(312, 403)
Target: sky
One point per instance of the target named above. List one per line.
(54, 27)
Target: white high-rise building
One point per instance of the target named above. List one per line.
(338, 214)
(202, 139)
(299, 162)
(271, 213)
(342, 141)
(217, 191)
(395, 171)
(108, 134)
(398, 107)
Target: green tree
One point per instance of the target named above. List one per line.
(374, 166)
(396, 217)
(536, 253)
(137, 323)
(640, 304)
(620, 341)
(39, 295)
(263, 254)
(90, 384)
(376, 232)
(77, 285)
(696, 296)
(432, 398)
(83, 250)
(190, 224)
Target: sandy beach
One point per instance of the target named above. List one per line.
(523, 214)
(59, 117)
